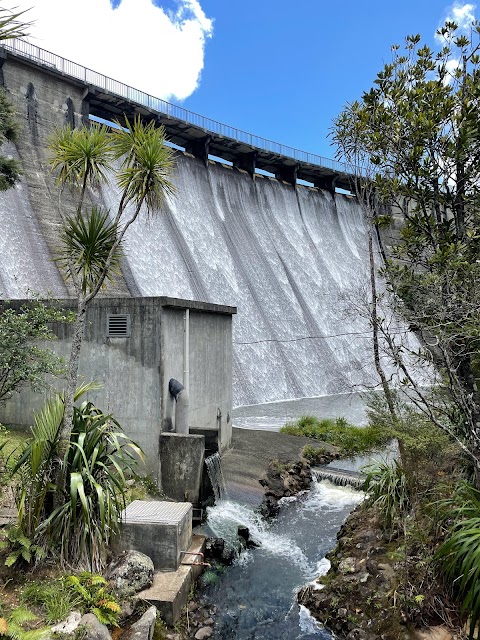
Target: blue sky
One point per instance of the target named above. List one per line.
(279, 69)
(284, 70)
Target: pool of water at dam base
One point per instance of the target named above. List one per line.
(256, 598)
(273, 415)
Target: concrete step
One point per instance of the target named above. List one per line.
(170, 589)
(169, 592)
(195, 556)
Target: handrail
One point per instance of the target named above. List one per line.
(90, 77)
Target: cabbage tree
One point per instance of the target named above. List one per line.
(138, 160)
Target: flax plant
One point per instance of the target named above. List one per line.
(387, 487)
(459, 555)
(96, 465)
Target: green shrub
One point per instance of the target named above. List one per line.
(20, 548)
(338, 432)
(95, 597)
(429, 455)
(55, 598)
(12, 624)
(22, 361)
(313, 454)
(459, 555)
(387, 488)
(87, 592)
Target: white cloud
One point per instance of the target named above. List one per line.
(463, 14)
(138, 43)
(452, 65)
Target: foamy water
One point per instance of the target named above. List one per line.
(289, 259)
(225, 518)
(328, 495)
(257, 596)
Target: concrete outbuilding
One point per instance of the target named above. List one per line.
(134, 347)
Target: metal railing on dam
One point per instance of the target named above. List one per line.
(90, 78)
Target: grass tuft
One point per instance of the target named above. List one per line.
(54, 598)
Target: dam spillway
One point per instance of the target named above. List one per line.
(288, 258)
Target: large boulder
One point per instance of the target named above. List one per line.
(214, 548)
(131, 572)
(69, 625)
(144, 627)
(94, 629)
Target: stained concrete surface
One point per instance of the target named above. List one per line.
(248, 458)
(170, 589)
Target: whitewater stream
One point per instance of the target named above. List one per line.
(256, 598)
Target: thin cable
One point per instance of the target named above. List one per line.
(365, 334)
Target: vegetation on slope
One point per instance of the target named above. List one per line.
(339, 433)
(387, 575)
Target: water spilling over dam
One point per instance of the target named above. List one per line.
(288, 258)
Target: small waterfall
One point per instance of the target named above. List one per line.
(225, 518)
(215, 473)
(340, 477)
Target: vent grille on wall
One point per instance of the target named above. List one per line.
(118, 325)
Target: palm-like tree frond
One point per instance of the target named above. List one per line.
(147, 163)
(87, 245)
(81, 155)
(86, 387)
(11, 26)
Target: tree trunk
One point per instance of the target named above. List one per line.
(459, 204)
(72, 373)
(69, 398)
(374, 320)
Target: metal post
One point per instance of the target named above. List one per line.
(186, 350)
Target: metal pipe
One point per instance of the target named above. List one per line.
(182, 418)
(195, 553)
(186, 350)
(182, 415)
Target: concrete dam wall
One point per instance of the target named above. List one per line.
(287, 257)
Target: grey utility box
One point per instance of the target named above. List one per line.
(161, 530)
